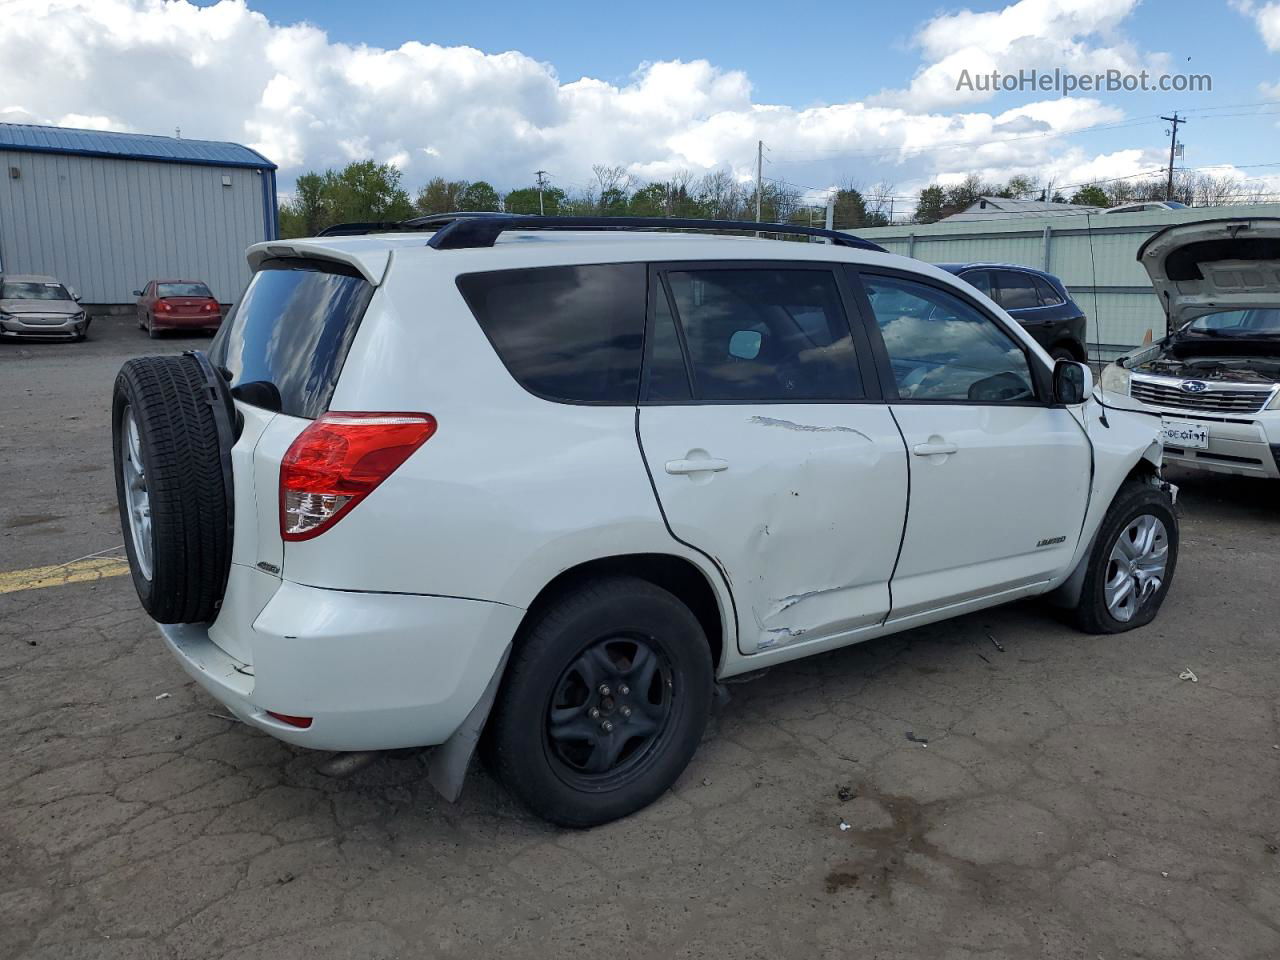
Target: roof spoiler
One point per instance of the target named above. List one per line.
(454, 231)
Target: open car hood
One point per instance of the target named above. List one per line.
(1214, 265)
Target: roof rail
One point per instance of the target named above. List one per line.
(467, 231)
(432, 221)
(454, 231)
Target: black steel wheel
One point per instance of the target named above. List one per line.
(604, 702)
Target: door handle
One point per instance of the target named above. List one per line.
(933, 448)
(704, 465)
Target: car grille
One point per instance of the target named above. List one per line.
(1211, 401)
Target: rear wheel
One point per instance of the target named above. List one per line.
(171, 488)
(604, 702)
(1132, 562)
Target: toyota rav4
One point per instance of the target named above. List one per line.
(540, 485)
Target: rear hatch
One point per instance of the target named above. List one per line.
(190, 306)
(282, 351)
(1212, 266)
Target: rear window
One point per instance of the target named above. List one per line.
(565, 333)
(182, 290)
(288, 337)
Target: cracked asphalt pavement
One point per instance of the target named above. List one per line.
(1065, 796)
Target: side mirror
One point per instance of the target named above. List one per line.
(745, 344)
(1072, 382)
(137, 293)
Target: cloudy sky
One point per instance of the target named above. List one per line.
(844, 92)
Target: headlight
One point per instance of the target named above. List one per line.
(1275, 402)
(1115, 379)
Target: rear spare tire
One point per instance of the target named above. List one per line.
(170, 429)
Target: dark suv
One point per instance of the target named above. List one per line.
(1036, 299)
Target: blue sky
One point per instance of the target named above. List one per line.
(855, 91)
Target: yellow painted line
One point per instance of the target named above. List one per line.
(78, 571)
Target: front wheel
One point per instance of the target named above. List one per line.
(1132, 563)
(604, 702)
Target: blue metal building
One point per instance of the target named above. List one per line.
(106, 212)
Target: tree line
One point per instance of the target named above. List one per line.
(1195, 189)
(367, 191)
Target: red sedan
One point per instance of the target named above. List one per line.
(177, 305)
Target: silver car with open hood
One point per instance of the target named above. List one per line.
(1215, 376)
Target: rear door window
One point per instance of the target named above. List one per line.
(980, 279)
(1016, 291)
(1049, 297)
(571, 334)
(288, 337)
(766, 334)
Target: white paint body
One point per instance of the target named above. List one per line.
(388, 627)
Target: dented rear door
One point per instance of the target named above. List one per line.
(769, 449)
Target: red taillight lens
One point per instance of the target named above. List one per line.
(300, 722)
(162, 306)
(338, 460)
(210, 307)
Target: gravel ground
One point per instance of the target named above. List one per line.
(1074, 799)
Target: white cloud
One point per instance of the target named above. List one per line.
(1079, 36)
(227, 72)
(1267, 18)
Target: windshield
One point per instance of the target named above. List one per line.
(1238, 323)
(182, 290)
(33, 290)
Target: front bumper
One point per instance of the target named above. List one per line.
(1237, 447)
(14, 327)
(373, 671)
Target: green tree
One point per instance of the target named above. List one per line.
(439, 195)
(480, 197)
(1091, 195)
(929, 204)
(525, 201)
(361, 191)
(851, 209)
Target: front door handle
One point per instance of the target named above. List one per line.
(934, 448)
(703, 465)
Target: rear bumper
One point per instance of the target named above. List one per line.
(15, 327)
(197, 322)
(373, 671)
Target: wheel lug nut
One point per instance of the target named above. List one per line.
(607, 726)
(624, 689)
(626, 711)
(604, 689)
(594, 712)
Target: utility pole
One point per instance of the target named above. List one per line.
(759, 177)
(542, 179)
(1173, 147)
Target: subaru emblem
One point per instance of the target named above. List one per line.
(1194, 386)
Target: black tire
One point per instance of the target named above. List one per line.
(1134, 500)
(616, 612)
(1063, 353)
(152, 332)
(190, 542)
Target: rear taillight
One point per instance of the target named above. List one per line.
(338, 460)
(209, 307)
(162, 306)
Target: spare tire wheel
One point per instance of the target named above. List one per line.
(171, 429)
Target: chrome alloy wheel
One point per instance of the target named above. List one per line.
(1136, 568)
(136, 498)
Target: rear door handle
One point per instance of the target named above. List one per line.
(933, 449)
(704, 465)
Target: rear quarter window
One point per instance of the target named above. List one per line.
(287, 339)
(571, 334)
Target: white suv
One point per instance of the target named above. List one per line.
(513, 476)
